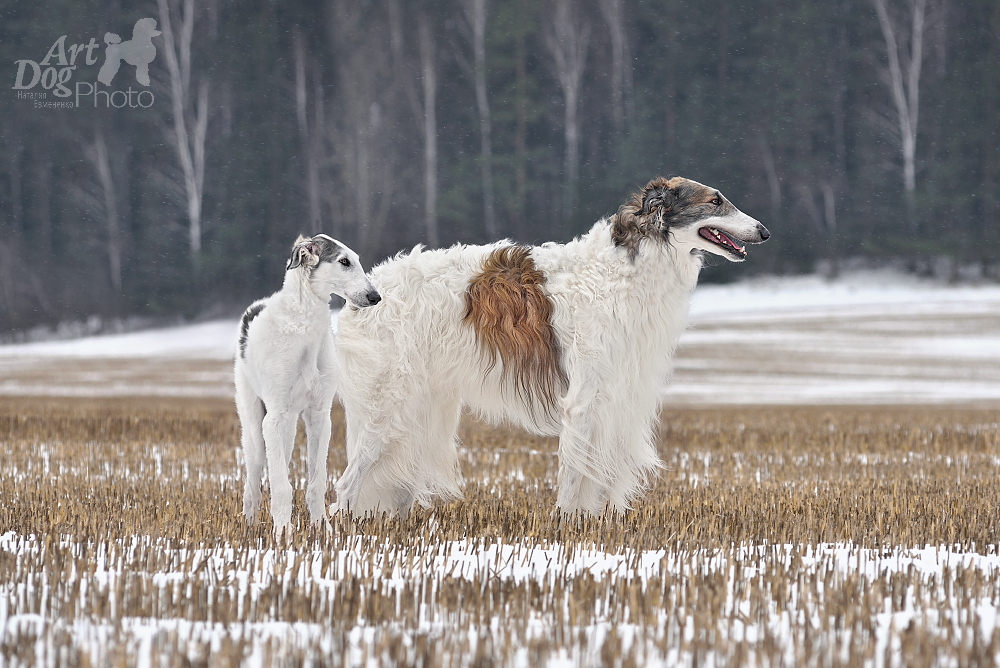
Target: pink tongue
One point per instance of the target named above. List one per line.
(727, 239)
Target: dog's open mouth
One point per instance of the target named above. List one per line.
(720, 238)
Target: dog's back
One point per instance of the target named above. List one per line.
(442, 325)
(249, 315)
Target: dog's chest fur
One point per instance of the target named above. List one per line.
(284, 345)
(603, 299)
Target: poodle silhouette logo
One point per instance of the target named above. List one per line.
(52, 75)
(138, 51)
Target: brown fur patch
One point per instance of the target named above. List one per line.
(512, 317)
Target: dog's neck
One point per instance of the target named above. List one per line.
(297, 296)
(661, 279)
(666, 269)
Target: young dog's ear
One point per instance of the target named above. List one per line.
(305, 251)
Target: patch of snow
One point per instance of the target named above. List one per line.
(875, 336)
(207, 340)
(814, 294)
(938, 602)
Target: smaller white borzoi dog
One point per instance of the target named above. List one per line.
(572, 340)
(286, 366)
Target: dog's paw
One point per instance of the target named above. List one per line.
(283, 533)
(250, 512)
(323, 524)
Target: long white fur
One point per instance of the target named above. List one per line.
(288, 369)
(410, 365)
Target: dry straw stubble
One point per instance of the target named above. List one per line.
(781, 535)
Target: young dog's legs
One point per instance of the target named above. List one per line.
(279, 436)
(317, 419)
(251, 411)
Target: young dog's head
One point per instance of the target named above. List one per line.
(687, 215)
(332, 269)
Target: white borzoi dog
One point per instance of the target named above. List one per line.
(572, 340)
(286, 366)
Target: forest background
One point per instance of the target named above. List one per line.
(856, 130)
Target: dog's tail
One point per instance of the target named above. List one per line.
(508, 309)
(111, 38)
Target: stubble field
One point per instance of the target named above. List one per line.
(773, 536)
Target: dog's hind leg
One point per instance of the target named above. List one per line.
(412, 460)
(368, 444)
(317, 419)
(279, 433)
(580, 481)
(251, 411)
(361, 490)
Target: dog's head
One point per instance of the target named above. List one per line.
(144, 30)
(687, 215)
(332, 269)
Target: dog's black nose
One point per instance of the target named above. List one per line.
(762, 231)
(374, 298)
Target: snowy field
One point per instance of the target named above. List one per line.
(744, 624)
(787, 537)
(811, 531)
(865, 338)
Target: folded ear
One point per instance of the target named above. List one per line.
(658, 197)
(305, 251)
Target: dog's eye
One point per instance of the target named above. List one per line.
(344, 261)
(717, 201)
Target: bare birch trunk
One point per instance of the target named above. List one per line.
(990, 183)
(475, 13)
(671, 92)
(905, 90)
(15, 153)
(42, 175)
(422, 104)
(521, 131)
(722, 21)
(364, 149)
(567, 38)
(773, 182)
(306, 134)
(428, 79)
(189, 143)
(621, 67)
(99, 158)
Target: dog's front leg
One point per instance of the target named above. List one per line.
(279, 435)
